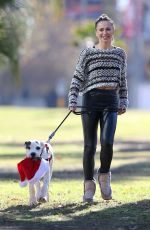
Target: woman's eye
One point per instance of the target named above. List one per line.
(38, 148)
(108, 29)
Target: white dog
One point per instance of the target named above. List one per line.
(35, 169)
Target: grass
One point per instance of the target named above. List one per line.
(130, 207)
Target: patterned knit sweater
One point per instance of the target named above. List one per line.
(96, 68)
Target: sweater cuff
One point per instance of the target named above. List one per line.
(123, 103)
(72, 104)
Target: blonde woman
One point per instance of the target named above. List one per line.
(100, 76)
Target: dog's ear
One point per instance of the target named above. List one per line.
(27, 144)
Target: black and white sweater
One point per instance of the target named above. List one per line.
(96, 68)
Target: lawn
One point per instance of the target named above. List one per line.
(128, 210)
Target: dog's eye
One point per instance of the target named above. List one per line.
(38, 148)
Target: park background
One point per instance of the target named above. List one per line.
(40, 41)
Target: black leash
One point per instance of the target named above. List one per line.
(53, 133)
(87, 111)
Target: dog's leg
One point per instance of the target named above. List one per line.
(45, 188)
(38, 190)
(32, 196)
(49, 177)
(50, 169)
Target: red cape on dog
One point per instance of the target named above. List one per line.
(32, 170)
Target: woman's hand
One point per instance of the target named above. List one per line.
(72, 108)
(121, 110)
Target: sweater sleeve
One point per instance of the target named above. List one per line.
(123, 90)
(77, 80)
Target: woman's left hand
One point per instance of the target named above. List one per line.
(121, 110)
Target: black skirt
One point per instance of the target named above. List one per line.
(100, 99)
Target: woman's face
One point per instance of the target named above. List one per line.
(105, 31)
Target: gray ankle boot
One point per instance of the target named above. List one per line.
(104, 180)
(89, 190)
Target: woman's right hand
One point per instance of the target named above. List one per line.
(72, 108)
(121, 110)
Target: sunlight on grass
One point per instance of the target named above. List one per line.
(64, 192)
(20, 124)
(134, 124)
(129, 208)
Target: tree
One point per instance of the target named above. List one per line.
(12, 33)
(86, 29)
(57, 7)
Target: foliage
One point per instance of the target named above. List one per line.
(83, 30)
(57, 8)
(6, 2)
(12, 33)
(119, 40)
(86, 29)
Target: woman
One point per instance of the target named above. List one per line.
(100, 76)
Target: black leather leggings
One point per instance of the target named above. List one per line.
(107, 118)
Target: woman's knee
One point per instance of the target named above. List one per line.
(89, 149)
(107, 148)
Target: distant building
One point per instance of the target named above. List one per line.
(82, 9)
(135, 21)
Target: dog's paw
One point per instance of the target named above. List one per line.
(42, 200)
(33, 203)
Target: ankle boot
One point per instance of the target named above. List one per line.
(104, 180)
(89, 190)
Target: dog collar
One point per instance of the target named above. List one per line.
(49, 159)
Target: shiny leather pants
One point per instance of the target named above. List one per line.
(90, 121)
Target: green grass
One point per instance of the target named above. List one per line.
(130, 207)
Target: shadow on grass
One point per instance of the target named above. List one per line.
(58, 155)
(117, 141)
(100, 216)
(122, 147)
(134, 149)
(12, 156)
(126, 172)
(134, 169)
(66, 174)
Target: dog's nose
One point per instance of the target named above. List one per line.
(33, 154)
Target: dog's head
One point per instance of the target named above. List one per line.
(38, 149)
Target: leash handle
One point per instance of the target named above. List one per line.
(53, 133)
(87, 110)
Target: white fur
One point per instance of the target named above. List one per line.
(23, 183)
(40, 192)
